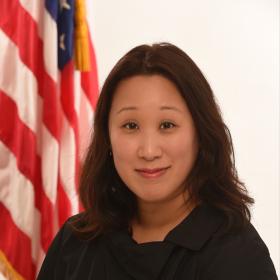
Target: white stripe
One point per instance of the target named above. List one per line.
(40, 259)
(85, 124)
(50, 150)
(85, 117)
(78, 91)
(19, 83)
(67, 164)
(34, 8)
(50, 47)
(49, 155)
(68, 151)
(47, 32)
(17, 195)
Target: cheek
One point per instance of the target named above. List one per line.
(183, 146)
(123, 148)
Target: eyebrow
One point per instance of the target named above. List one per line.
(131, 108)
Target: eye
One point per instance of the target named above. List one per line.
(167, 125)
(130, 125)
(164, 125)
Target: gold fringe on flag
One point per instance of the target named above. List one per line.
(82, 56)
(7, 270)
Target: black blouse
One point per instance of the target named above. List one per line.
(193, 250)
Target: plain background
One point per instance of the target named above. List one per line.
(236, 45)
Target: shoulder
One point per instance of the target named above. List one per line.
(67, 238)
(240, 255)
(66, 233)
(66, 248)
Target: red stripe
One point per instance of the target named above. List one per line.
(16, 245)
(89, 83)
(64, 205)
(22, 142)
(89, 80)
(22, 30)
(67, 98)
(13, 15)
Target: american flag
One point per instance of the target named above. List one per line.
(46, 113)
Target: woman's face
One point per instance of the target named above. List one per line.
(153, 137)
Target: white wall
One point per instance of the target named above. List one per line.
(236, 44)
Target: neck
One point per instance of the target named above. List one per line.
(162, 215)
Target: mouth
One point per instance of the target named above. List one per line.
(152, 173)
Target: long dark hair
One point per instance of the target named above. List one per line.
(109, 205)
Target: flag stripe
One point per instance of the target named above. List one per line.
(11, 198)
(50, 114)
(47, 31)
(24, 148)
(85, 124)
(14, 243)
(68, 106)
(19, 201)
(46, 87)
(68, 164)
(69, 143)
(63, 204)
(30, 46)
(89, 96)
(23, 89)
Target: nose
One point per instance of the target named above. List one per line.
(149, 147)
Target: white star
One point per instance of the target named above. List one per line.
(64, 5)
(61, 41)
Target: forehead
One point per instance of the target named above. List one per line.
(143, 91)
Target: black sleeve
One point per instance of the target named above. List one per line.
(47, 270)
(241, 257)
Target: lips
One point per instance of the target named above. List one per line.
(152, 173)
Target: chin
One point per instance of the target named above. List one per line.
(150, 198)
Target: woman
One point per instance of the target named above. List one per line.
(160, 190)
